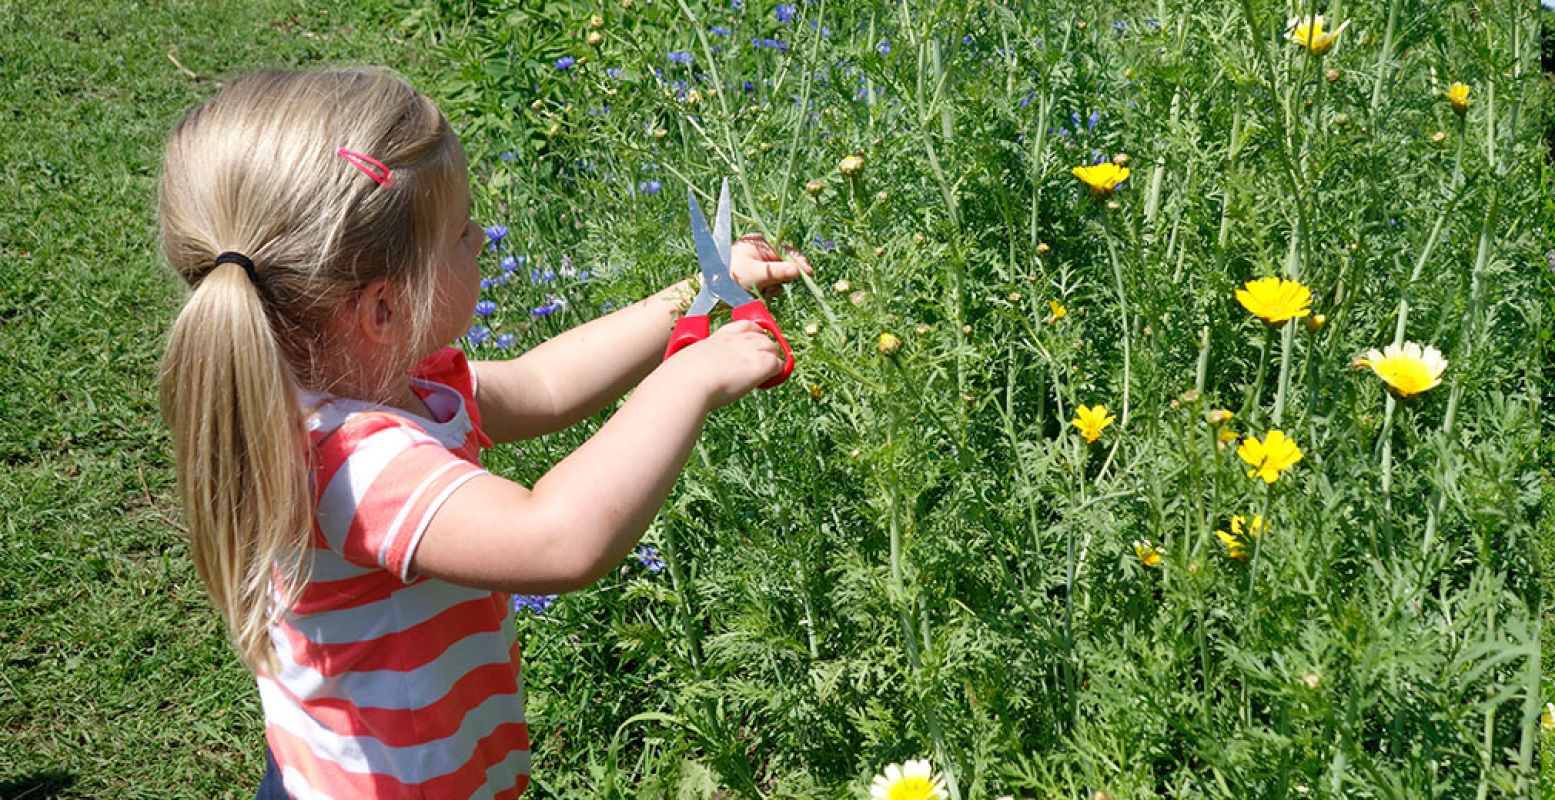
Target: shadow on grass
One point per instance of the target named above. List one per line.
(37, 786)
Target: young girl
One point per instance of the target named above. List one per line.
(327, 436)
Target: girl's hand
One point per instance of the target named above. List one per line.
(755, 265)
(737, 358)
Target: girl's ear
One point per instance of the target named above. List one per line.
(373, 315)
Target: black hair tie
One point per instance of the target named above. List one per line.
(241, 260)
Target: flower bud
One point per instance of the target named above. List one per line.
(858, 297)
(817, 391)
(851, 166)
(1043, 249)
(1312, 680)
(1191, 396)
(966, 328)
(1314, 322)
(595, 38)
(1332, 74)
(918, 239)
(660, 133)
(921, 328)
(766, 147)
(1218, 415)
(842, 286)
(1121, 159)
(882, 196)
(1014, 297)
(879, 251)
(1113, 205)
(888, 344)
(1341, 119)
(596, 22)
(815, 187)
(812, 328)
(1079, 24)
(537, 106)
(1439, 137)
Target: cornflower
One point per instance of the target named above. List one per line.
(1090, 420)
(1308, 32)
(565, 62)
(1102, 178)
(1270, 457)
(648, 556)
(1407, 369)
(1275, 300)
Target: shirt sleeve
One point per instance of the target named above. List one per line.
(387, 480)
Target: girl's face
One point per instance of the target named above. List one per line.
(459, 282)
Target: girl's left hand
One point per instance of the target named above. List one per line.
(755, 265)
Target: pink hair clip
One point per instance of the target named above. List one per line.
(381, 176)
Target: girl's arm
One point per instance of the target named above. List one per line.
(586, 513)
(576, 374)
(580, 372)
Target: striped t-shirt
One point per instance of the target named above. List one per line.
(390, 684)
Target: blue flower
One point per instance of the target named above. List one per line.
(509, 263)
(648, 556)
(719, 30)
(785, 12)
(772, 43)
(477, 334)
(613, 72)
(967, 39)
(883, 48)
(487, 283)
(748, 86)
(485, 308)
(535, 603)
(649, 187)
(504, 341)
(681, 57)
(565, 62)
(496, 233)
(737, 5)
(508, 155)
(825, 244)
(554, 305)
(1090, 124)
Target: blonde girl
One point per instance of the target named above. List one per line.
(327, 436)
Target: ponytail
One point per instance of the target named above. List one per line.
(232, 403)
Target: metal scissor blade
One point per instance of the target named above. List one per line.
(722, 229)
(712, 262)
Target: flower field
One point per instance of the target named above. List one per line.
(1165, 416)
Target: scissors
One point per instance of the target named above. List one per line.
(718, 286)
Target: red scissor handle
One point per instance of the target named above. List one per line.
(757, 312)
(688, 330)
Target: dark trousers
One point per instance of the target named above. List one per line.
(271, 788)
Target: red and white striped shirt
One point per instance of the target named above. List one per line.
(393, 685)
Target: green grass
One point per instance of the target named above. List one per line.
(940, 493)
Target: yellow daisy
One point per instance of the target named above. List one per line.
(1308, 32)
(1102, 178)
(1270, 457)
(1149, 554)
(1239, 542)
(913, 780)
(1090, 420)
(1275, 300)
(1458, 95)
(1058, 311)
(1407, 369)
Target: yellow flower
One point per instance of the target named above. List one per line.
(1218, 416)
(888, 344)
(1059, 312)
(1090, 421)
(1239, 541)
(913, 780)
(1275, 300)
(1547, 719)
(1225, 438)
(1102, 178)
(1308, 32)
(1270, 457)
(1458, 95)
(1407, 369)
(1149, 554)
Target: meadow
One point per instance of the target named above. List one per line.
(929, 543)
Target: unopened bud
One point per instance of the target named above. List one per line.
(1312, 680)
(1439, 137)
(815, 187)
(596, 22)
(595, 38)
(1043, 249)
(1315, 322)
(921, 328)
(1191, 396)
(879, 251)
(1332, 74)
(1121, 159)
(1113, 205)
(842, 286)
(882, 196)
(817, 391)
(858, 297)
(812, 328)
(851, 166)
(888, 344)
(1218, 415)
(917, 238)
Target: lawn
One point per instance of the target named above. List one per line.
(909, 550)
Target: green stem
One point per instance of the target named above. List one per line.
(1117, 274)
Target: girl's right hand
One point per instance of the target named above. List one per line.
(728, 364)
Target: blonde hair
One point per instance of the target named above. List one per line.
(254, 170)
